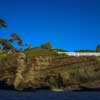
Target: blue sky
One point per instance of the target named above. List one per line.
(67, 24)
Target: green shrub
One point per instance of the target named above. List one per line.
(3, 55)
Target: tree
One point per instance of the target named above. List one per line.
(46, 45)
(5, 44)
(98, 48)
(15, 37)
(3, 23)
(29, 46)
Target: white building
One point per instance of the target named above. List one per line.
(80, 53)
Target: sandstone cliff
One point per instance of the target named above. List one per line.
(59, 72)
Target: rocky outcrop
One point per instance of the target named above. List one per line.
(67, 73)
(20, 70)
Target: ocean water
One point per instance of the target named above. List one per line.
(48, 95)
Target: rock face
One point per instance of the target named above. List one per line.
(20, 69)
(68, 73)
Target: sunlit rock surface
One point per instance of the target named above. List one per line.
(57, 73)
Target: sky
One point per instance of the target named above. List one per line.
(68, 24)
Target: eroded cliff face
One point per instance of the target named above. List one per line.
(69, 73)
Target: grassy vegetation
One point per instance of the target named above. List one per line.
(38, 52)
(3, 55)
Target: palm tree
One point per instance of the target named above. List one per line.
(3, 23)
